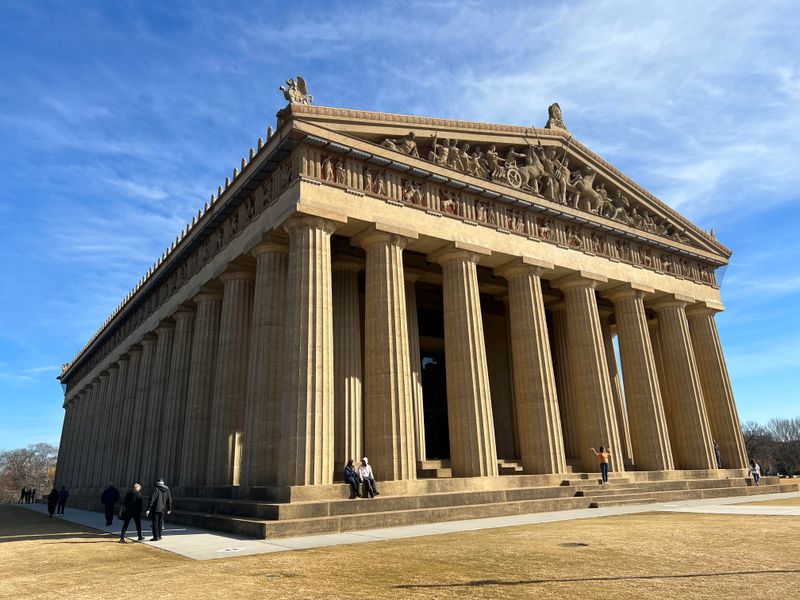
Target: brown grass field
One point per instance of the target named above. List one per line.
(655, 555)
(781, 502)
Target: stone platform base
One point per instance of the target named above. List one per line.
(312, 510)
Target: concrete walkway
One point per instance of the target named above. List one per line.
(201, 544)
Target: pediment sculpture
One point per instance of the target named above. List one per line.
(296, 92)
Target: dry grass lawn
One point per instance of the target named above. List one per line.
(657, 555)
(781, 502)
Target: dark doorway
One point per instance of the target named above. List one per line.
(434, 399)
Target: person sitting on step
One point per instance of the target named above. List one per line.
(365, 471)
(352, 478)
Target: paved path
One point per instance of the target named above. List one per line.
(201, 544)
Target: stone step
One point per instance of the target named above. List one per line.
(621, 502)
(443, 473)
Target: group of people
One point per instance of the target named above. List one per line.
(57, 501)
(27, 496)
(361, 476)
(159, 504)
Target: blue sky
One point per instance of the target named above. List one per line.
(119, 119)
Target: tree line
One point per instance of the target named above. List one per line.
(775, 446)
(31, 467)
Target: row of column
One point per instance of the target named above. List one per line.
(261, 382)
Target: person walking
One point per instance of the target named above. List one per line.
(33, 495)
(755, 471)
(365, 472)
(132, 509)
(109, 499)
(23, 495)
(351, 477)
(52, 500)
(63, 494)
(603, 455)
(160, 502)
(717, 454)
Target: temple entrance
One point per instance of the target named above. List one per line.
(434, 399)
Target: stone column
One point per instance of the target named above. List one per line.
(128, 400)
(115, 422)
(648, 424)
(620, 408)
(348, 407)
(538, 421)
(717, 391)
(230, 381)
(151, 468)
(96, 442)
(197, 420)
(87, 425)
(63, 446)
(469, 404)
(416, 366)
(686, 415)
(568, 409)
(175, 400)
(388, 408)
(73, 472)
(306, 451)
(597, 423)
(265, 379)
(134, 470)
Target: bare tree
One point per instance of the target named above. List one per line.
(32, 467)
(786, 433)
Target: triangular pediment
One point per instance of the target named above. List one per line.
(547, 166)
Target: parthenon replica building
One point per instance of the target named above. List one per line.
(458, 301)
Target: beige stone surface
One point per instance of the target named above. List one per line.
(538, 420)
(469, 405)
(114, 452)
(126, 417)
(648, 425)
(416, 366)
(498, 364)
(265, 374)
(717, 392)
(197, 423)
(388, 409)
(135, 471)
(685, 407)
(568, 409)
(156, 398)
(348, 369)
(306, 451)
(620, 410)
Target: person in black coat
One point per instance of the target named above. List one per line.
(63, 494)
(132, 509)
(351, 477)
(160, 502)
(109, 499)
(52, 500)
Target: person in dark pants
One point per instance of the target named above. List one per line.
(351, 477)
(717, 455)
(603, 455)
(160, 502)
(52, 500)
(109, 498)
(368, 477)
(33, 495)
(132, 509)
(23, 495)
(63, 494)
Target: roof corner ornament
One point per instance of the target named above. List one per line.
(554, 118)
(297, 91)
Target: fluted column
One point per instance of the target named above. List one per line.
(620, 408)
(596, 416)
(171, 435)
(96, 444)
(388, 408)
(151, 438)
(416, 366)
(63, 445)
(128, 400)
(568, 409)
(469, 405)
(686, 416)
(648, 424)
(348, 406)
(230, 381)
(265, 378)
(306, 451)
(197, 420)
(87, 426)
(115, 421)
(538, 421)
(72, 474)
(134, 471)
(717, 391)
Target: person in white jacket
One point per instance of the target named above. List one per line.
(755, 471)
(367, 477)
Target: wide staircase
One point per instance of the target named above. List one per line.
(437, 497)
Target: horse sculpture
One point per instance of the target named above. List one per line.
(532, 171)
(584, 196)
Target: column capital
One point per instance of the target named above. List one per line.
(123, 358)
(271, 243)
(148, 340)
(184, 312)
(236, 272)
(459, 250)
(628, 290)
(578, 279)
(103, 375)
(345, 262)
(384, 233)
(300, 221)
(114, 366)
(165, 327)
(207, 293)
(523, 265)
(704, 308)
(670, 301)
